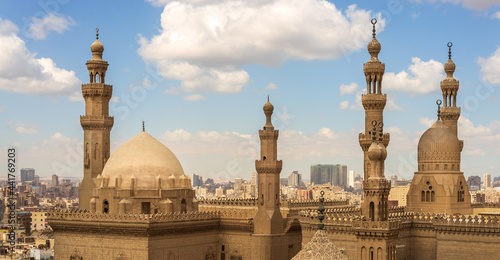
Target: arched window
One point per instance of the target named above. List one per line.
(453, 167)
(446, 167)
(433, 196)
(97, 78)
(437, 167)
(105, 206)
(183, 206)
(423, 196)
(372, 253)
(427, 196)
(423, 168)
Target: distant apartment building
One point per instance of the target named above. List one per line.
(487, 181)
(398, 193)
(38, 221)
(238, 183)
(335, 174)
(55, 180)
(294, 179)
(197, 180)
(305, 194)
(474, 183)
(254, 178)
(27, 174)
(351, 178)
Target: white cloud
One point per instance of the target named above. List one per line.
(471, 4)
(490, 67)
(21, 71)
(496, 15)
(24, 130)
(423, 77)
(344, 105)
(426, 121)
(2, 108)
(206, 44)
(194, 97)
(41, 27)
(271, 86)
(348, 89)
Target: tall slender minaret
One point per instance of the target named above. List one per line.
(373, 101)
(449, 86)
(376, 188)
(96, 123)
(268, 219)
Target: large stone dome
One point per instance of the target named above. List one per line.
(439, 148)
(143, 158)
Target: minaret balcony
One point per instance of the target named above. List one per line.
(97, 89)
(96, 122)
(263, 166)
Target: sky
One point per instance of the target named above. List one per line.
(199, 71)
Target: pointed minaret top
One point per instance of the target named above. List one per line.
(97, 33)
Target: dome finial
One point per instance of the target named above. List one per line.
(321, 209)
(449, 49)
(267, 98)
(97, 33)
(143, 128)
(374, 21)
(439, 102)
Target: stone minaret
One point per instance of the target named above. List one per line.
(268, 219)
(376, 188)
(449, 86)
(96, 123)
(268, 241)
(373, 101)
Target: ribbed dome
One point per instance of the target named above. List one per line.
(97, 46)
(449, 68)
(268, 107)
(374, 48)
(439, 145)
(144, 158)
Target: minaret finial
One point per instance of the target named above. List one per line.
(439, 102)
(267, 98)
(374, 21)
(97, 33)
(321, 209)
(449, 49)
(143, 128)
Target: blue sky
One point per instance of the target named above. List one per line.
(199, 71)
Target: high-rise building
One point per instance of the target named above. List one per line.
(335, 174)
(197, 180)
(254, 178)
(474, 182)
(294, 179)
(394, 180)
(237, 183)
(351, 178)
(487, 181)
(55, 180)
(27, 174)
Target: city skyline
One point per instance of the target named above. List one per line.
(211, 123)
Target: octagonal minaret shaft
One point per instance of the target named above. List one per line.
(268, 219)
(449, 86)
(96, 122)
(373, 101)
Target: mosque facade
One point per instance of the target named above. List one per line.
(138, 203)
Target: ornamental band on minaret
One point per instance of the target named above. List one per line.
(96, 122)
(373, 101)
